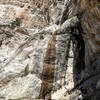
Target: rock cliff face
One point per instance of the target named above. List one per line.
(88, 12)
(27, 68)
(42, 60)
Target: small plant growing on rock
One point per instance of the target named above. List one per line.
(16, 23)
(41, 37)
(26, 71)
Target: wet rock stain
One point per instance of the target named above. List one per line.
(48, 70)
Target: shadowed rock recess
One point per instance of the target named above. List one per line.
(49, 49)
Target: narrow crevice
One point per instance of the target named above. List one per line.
(79, 53)
(79, 49)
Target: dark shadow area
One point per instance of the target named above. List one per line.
(86, 77)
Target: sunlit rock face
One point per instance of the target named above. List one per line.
(33, 14)
(9, 13)
(22, 70)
